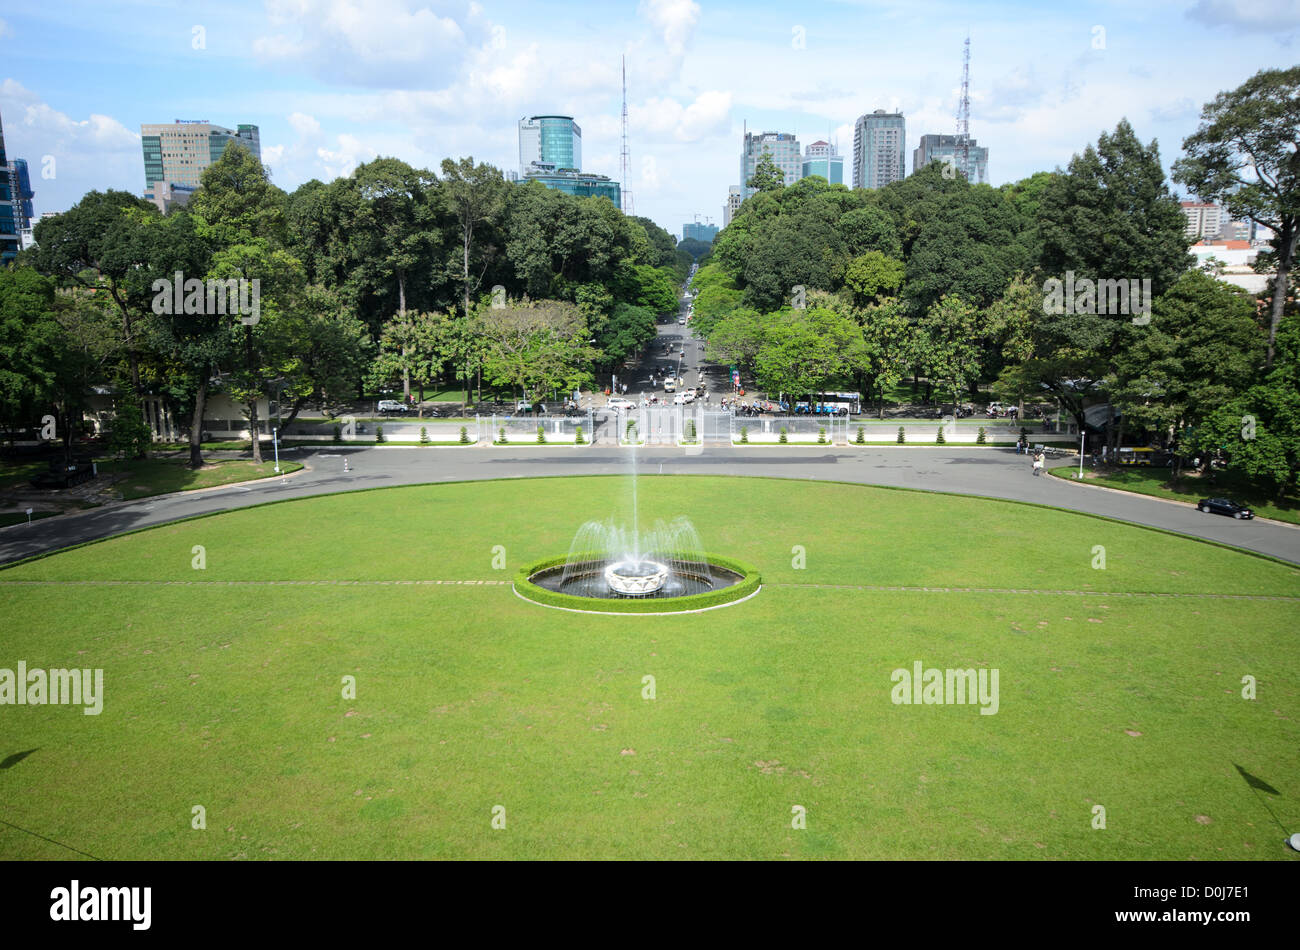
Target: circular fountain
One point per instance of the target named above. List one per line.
(610, 569)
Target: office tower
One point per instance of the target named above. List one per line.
(879, 149)
(550, 140)
(784, 150)
(1203, 220)
(733, 204)
(178, 153)
(974, 164)
(822, 158)
(700, 232)
(9, 241)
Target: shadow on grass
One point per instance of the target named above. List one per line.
(12, 760)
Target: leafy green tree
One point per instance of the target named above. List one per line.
(803, 350)
(95, 244)
(1201, 349)
(737, 338)
(766, 177)
(869, 228)
(888, 344)
(237, 197)
(1259, 430)
(1245, 155)
(129, 436)
(538, 346)
(475, 197)
(1112, 216)
(32, 351)
(873, 276)
(951, 328)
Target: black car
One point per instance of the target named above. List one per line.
(1224, 506)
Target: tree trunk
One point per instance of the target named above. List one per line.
(401, 315)
(1286, 250)
(253, 433)
(293, 414)
(196, 424)
(468, 232)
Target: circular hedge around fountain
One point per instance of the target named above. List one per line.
(747, 586)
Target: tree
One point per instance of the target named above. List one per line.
(888, 339)
(1201, 349)
(869, 229)
(1112, 216)
(95, 244)
(802, 350)
(32, 352)
(236, 196)
(538, 346)
(474, 195)
(873, 276)
(766, 177)
(1245, 155)
(1259, 431)
(951, 329)
(398, 211)
(736, 338)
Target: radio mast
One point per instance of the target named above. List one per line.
(963, 112)
(628, 207)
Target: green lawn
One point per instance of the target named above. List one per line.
(1119, 687)
(1149, 480)
(158, 476)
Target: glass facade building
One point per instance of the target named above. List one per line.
(8, 209)
(822, 158)
(700, 232)
(879, 149)
(181, 151)
(574, 183)
(785, 152)
(550, 140)
(947, 149)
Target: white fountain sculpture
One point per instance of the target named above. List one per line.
(606, 559)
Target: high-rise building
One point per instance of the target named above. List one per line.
(879, 149)
(20, 187)
(9, 241)
(581, 184)
(781, 146)
(550, 140)
(974, 164)
(733, 204)
(181, 151)
(1203, 220)
(700, 232)
(822, 158)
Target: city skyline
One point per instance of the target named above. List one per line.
(694, 82)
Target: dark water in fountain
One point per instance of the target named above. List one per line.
(591, 582)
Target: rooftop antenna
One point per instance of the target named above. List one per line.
(963, 111)
(628, 207)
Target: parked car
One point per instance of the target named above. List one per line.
(1224, 506)
(618, 402)
(681, 321)
(387, 406)
(670, 386)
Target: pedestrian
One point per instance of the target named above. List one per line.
(1038, 464)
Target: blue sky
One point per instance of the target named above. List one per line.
(333, 83)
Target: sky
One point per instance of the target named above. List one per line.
(334, 83)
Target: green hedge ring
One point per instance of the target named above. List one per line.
(743, 589)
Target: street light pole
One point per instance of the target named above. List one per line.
(1081, 438)
(275, 440)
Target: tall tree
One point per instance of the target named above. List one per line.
(766, 177)
(1112, 216)
(1245, 155)
(474, 195)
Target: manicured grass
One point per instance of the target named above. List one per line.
(155, 476)
(228, 695)
(1155, 481)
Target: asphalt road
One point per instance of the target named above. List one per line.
(998, 473)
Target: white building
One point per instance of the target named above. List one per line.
(733, 204)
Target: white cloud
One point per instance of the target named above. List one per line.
(709, 114)
(4, 28)
(1248, 16)
(393, 43)
(674, 19)
(303, 124)
(350, 153)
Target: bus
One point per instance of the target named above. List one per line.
(833, 403)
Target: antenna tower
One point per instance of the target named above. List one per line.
(628, 207)
(963, 111)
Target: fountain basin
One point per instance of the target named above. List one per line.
(724, 581)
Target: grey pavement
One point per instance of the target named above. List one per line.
(994, 472)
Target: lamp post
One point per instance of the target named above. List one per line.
(1082, 436)
(275, 441)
